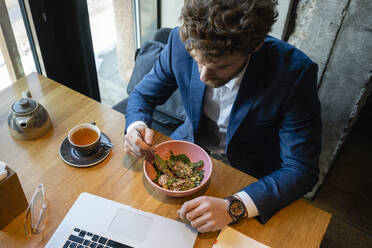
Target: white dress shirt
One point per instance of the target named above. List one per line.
(217, 107)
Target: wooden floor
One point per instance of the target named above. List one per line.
(347, 191)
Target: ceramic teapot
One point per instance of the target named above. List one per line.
(28, 119)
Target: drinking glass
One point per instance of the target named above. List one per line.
(36, 214)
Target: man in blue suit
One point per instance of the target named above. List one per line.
(250, 98)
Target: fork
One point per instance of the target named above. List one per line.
(149, 155)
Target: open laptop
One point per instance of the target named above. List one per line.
(101, 223)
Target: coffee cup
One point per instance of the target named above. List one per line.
(85, 138)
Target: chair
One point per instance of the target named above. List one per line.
(170, 115)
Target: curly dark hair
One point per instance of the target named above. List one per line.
(215, 28)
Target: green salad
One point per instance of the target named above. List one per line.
(178, 173)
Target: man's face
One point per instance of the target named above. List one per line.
(222, 70)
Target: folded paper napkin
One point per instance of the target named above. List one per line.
(3, 170)
(230, 238)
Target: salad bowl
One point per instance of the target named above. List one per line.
(178, 148)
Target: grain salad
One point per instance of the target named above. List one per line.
(178, 173)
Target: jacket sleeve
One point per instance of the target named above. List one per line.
(154, 89)
(300, 145)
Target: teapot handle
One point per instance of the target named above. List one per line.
(26, 94)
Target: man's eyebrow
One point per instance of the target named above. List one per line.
(215, 67)
(221, 66)
(218, 66)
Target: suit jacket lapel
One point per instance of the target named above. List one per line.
(252, 84)
(197, 90)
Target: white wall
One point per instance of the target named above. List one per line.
(171, 10)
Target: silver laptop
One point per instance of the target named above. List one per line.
(101, 223)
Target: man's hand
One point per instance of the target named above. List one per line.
(205, 213)
(134, 145)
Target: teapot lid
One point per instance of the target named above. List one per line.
(24, 106)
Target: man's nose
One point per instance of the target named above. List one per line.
(205, 74)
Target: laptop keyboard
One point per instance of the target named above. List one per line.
(83, 239)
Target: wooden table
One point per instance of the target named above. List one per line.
(120, 176)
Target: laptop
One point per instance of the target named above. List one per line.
(96, 222)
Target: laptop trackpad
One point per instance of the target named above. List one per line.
(131, 225)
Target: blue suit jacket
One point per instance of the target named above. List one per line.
(274, 131)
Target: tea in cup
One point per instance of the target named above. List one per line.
(85, 138)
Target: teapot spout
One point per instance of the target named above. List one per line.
(23, 122)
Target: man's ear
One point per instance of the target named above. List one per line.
(193, 52)
(258, 47)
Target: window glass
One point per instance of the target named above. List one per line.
(112, 85)
(22, 42)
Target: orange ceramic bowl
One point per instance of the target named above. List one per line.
(191, 150)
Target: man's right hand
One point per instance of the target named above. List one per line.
(134, 145)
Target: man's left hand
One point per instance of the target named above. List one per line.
(205, 213)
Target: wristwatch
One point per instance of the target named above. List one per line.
(236, 209)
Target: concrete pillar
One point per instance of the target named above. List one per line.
(337, 35)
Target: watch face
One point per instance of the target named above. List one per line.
(236, 208)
